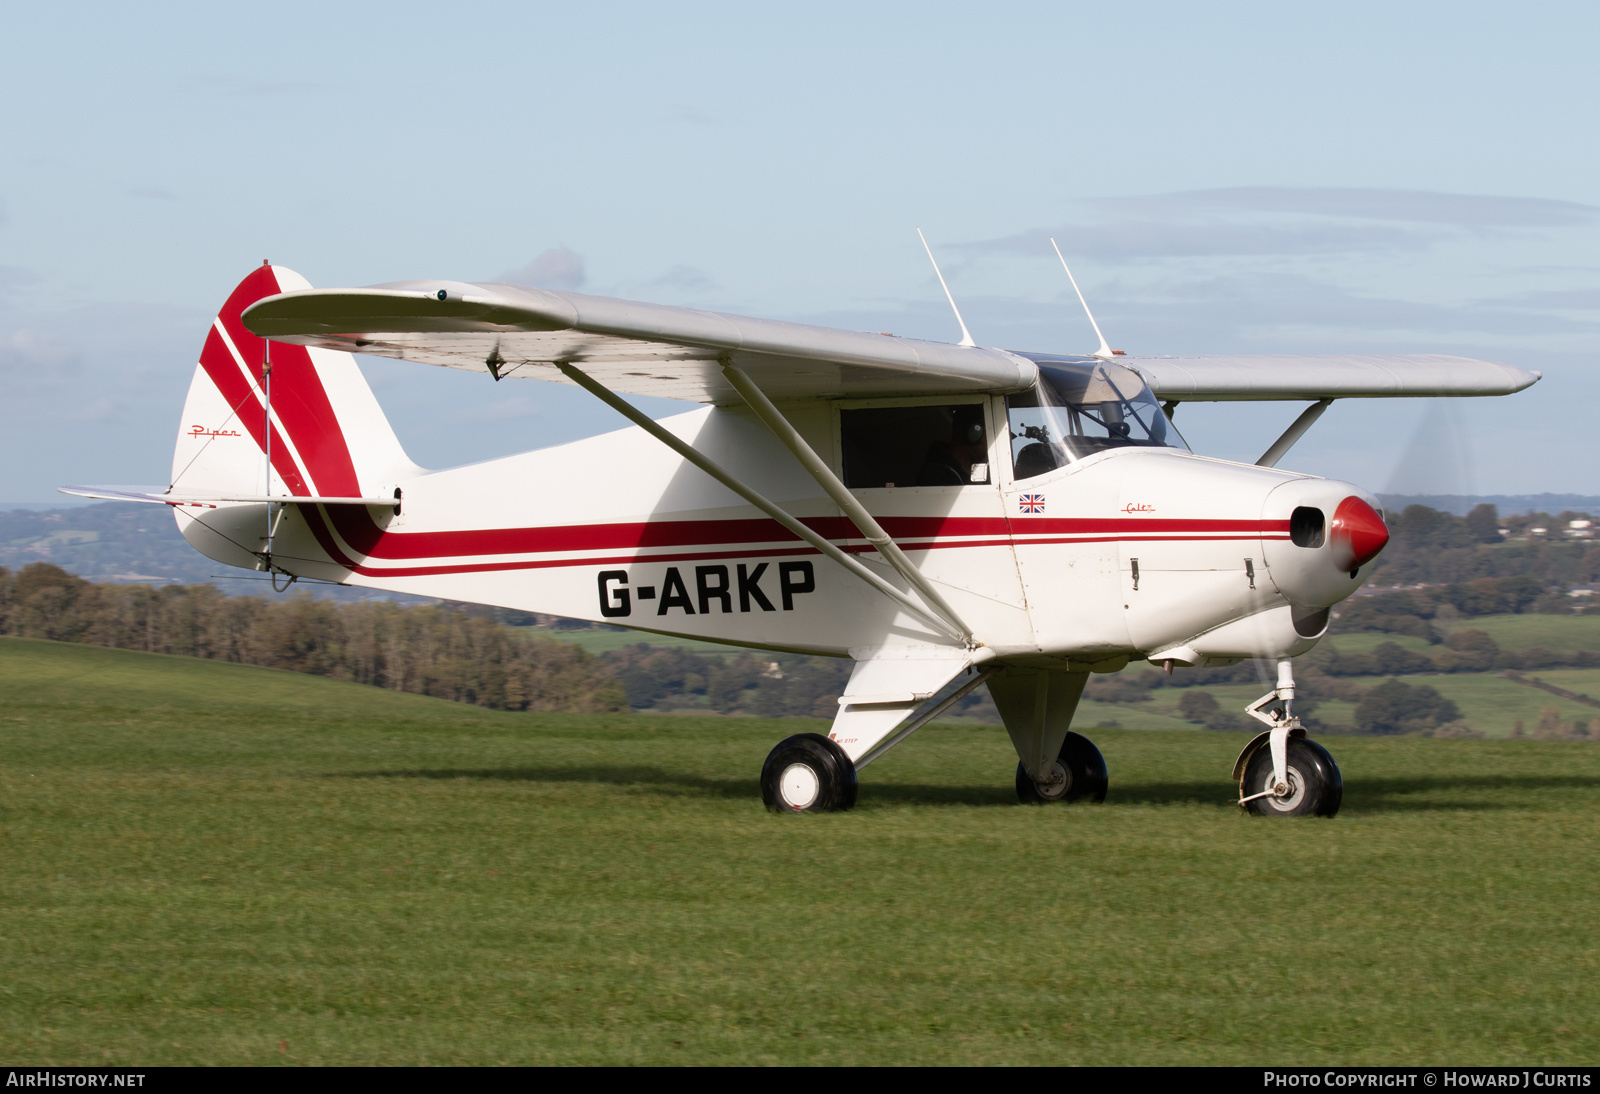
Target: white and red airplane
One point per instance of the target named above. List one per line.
(946, 515)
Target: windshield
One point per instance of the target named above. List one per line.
(1081, 406)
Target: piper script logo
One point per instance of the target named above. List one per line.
(716, 589)
(202, 431)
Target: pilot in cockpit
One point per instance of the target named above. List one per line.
(950, 463)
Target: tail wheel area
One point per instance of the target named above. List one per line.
(1315, 785)
(1079, 775)
(808, 773)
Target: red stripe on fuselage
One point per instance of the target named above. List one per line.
(798, 550)
(356, 528)
(711, 535)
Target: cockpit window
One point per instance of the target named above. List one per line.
(1081, 406)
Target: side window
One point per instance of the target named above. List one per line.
(1032, 450)
(915, 446)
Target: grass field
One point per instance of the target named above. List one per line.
(206, 863)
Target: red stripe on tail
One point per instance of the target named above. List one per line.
(298, 397)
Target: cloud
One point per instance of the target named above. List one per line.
(689, 115)
(1128, 240)
(13, 279)
(1280, 221)
(1278, 313)
(1552, 300)
(34, 362)
(154, 193)
(556, 268)
(690, 278)
(1286, 306)
(1410, 206)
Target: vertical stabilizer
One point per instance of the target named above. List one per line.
(328, 435)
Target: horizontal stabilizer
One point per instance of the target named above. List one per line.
(158, 496)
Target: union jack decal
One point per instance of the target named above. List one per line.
(1031, 503)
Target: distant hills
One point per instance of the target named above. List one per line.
(112, 541)
(1462, 504)
(122, 542)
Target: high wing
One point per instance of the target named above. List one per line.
(677, 353)
(1216, 378)
(639, 349)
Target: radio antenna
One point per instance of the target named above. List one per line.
(1105, 351)
(966, 335)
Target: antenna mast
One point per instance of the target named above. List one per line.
(1105, 351)
(966, 335)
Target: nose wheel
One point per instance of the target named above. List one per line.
(1079, 774)
(1311, 786)
(1281, 773)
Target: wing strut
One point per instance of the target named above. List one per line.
(716, 471)
(863, 520)
(1297, 429)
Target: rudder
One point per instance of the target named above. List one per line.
(328, 434)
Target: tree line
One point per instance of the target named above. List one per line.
(464, 653)
(1433, 547)
(444, 652)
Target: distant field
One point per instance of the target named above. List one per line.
(1563, 633)
(207, 863)
(1490, 703)
(1553, 632)
(597, 641)
(1366, 643)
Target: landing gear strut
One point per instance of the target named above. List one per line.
(1291, 776)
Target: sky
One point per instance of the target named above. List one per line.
(1225, 178)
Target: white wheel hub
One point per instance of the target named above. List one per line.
(1297, 792)
(1060, 782)
(799, 786)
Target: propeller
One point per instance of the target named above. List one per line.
(1438, 457)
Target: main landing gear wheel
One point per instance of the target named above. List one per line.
(808, 773)
(1315, 785)
(1080, 773)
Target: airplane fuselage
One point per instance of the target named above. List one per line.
(1125, 553)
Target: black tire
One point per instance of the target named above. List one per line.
(1087, 779)
(1316, 787)
(826, 785)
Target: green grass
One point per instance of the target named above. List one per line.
(207, 863)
